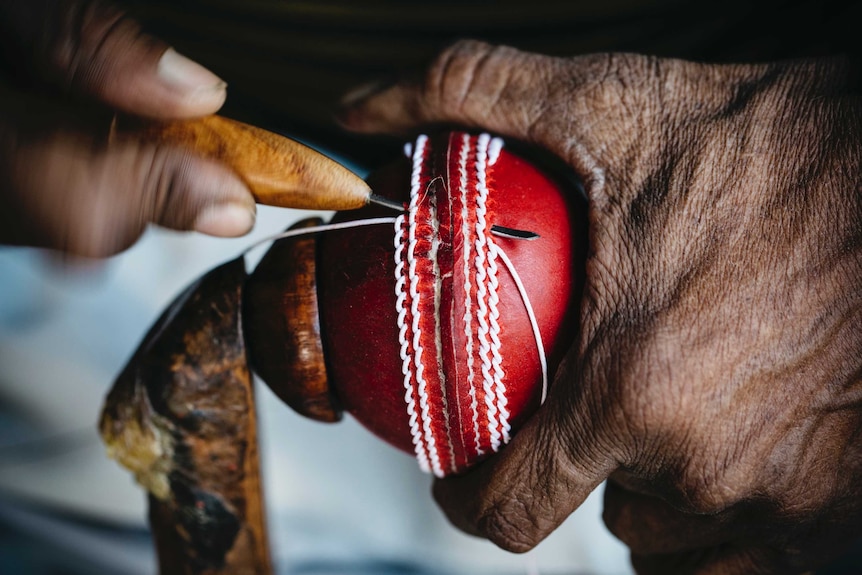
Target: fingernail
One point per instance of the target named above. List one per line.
(189, 76)
(225, 220)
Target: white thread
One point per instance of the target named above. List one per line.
(318, 229)
(494, 147)
(493, 311)
(415, 296)
(408, 149)
(406, 358)
(468, 296)
(421, 384)
(494, 150)
(482, 291)
(540, 346)
(494, 333)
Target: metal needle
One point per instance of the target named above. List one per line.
(385, 202)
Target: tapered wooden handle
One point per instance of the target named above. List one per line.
(278, 171)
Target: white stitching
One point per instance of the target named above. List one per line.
(484, 310)
(482, 290)
(415, 295)
(493, 301)
(408, 360)
(494, 333)
(468, 308)
(494, 150)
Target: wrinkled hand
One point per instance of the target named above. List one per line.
(717, 379)
(64, 183)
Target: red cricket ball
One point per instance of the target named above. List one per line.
(428, 338)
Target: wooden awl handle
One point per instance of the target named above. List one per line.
(278, 171)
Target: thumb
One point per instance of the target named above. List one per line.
(471, 83)
(578, 108)
(92, 48)
(518, 497)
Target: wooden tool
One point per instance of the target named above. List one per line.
(279, 171)
(181, 416)
(280, 297)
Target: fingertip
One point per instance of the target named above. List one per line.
(522, 494)
(487, 502)
(457, 497)
(380, 108)
(200, 195)
(499, 500)
(165, 85)
(193, 88)
(225, 220)
(95, 49)
(226, 207)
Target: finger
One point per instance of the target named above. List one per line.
(724, 560)
(572, 107)
(471, 83)
(518, 497)
(91, 47)
(649, 526)
(97, 202)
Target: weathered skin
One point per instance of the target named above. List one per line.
(181, 417)
(717, 377)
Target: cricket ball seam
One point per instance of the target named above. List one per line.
(418, 288)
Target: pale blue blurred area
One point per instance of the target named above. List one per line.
(338, 499)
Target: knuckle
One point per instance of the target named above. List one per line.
(613, 79)
(705, 502)
(643, 398)
(452, 75)
(708, 489)
(472, 78)
(616, 99)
